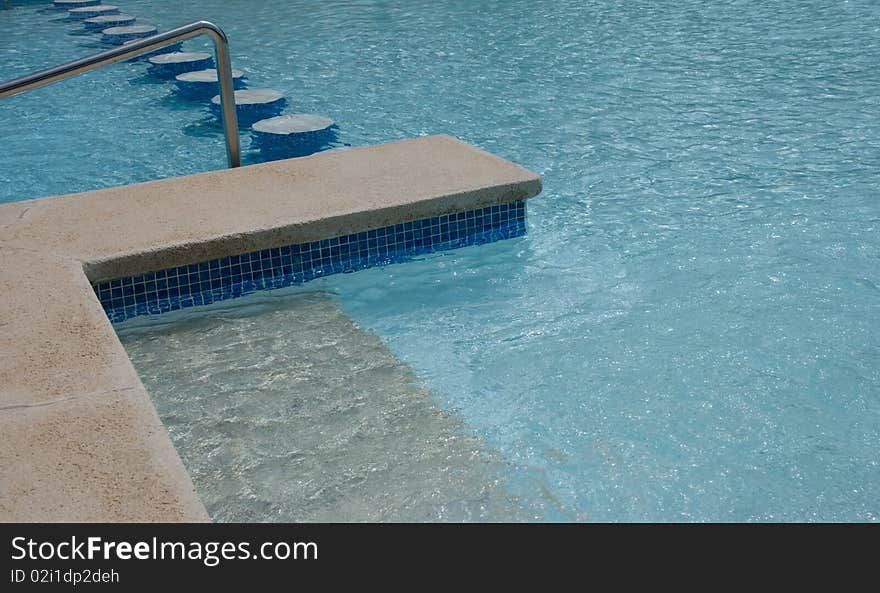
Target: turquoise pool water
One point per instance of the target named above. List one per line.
(689, 331)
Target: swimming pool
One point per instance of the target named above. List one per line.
(689, 329)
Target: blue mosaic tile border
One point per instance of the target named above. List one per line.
(237, 275)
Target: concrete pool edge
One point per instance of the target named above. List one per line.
(82, 439)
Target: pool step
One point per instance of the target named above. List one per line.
(88, 12)
(119, 35)
(294, 135)
(203, 84)
(168, 49)
(71, 4)
(169, 65)
(252, 105)
(99, 23)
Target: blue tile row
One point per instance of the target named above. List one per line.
(237, 275)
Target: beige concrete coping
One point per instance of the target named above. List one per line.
(81, 440)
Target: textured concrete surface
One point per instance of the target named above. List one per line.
(79, 437)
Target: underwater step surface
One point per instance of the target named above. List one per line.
(317, 424)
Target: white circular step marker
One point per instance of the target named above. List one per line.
(294, 135)
(171, 64)
(119, 35)
(90, 12)
(99, 23)
(71, 4)
(203, 84)
(253, 105)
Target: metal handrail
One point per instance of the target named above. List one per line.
(142, 46)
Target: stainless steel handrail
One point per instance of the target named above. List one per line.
(142, 46)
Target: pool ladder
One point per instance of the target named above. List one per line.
(143, 46)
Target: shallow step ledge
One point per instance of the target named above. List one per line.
(82, 439)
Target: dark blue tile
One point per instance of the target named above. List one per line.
(234, 276)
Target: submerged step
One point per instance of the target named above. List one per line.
(119, 35)
(106, 21)
(88, 12)
(298, 134)
(169, 65)
(203, 84)
(71, 4)
(168, 49)
(253, 105)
